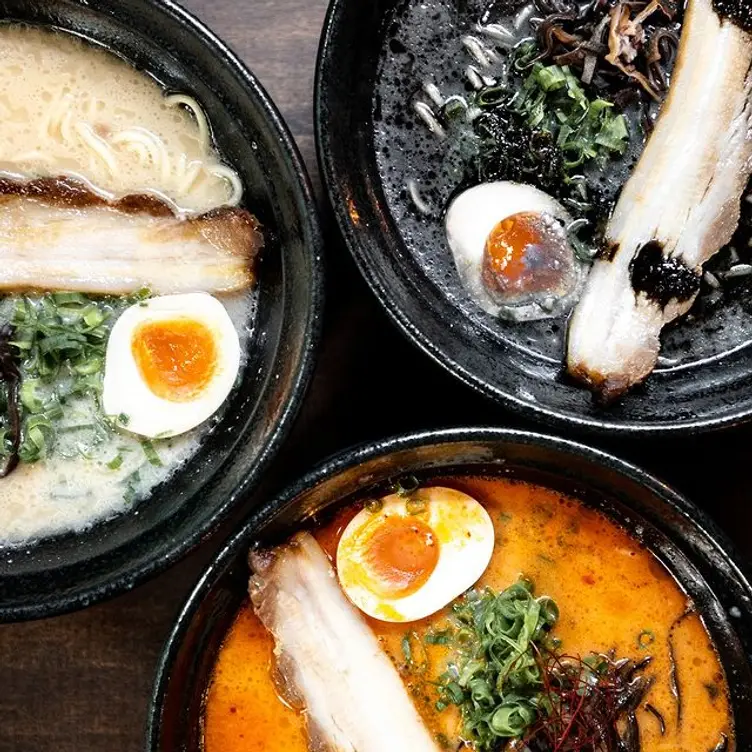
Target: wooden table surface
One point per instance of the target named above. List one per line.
(81, 682)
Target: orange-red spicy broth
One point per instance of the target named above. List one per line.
(612, 595)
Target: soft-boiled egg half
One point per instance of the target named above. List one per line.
(171, 362)
(511, 249)
(406, 557)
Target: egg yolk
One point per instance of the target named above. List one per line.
(507, 243)
(401, 554)
(524, 253)
(176, 358)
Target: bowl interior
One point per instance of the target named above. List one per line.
(677, 533)
(373, 61)
(71, 570)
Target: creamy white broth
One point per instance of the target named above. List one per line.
(76, 484)
(70, 108)
(143, 142)
(65, 492)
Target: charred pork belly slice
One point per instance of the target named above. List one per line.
(679, 207)
(328, 661)
(55, 234)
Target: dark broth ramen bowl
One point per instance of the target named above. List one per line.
(368, 155)
(73, 570)
(673, 529)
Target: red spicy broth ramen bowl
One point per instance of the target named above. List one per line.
(670, 527)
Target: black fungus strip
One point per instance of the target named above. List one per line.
(658, 716)
(11, 377)
(737, 11)
(674, 681)
(662, 278)
(676, 689)
(722, 745)
(630, 741)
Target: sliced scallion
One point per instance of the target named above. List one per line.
(116, 462)
(151, 453)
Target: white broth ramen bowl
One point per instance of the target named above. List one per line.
(54, 574)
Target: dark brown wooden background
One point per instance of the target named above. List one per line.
(81, 683)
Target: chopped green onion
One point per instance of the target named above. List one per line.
(69, 298)
(60, 340)
(645, 639)
(36, 436)
(491, 96)
(550, 78)
(30, 396)
(439, 637)
(116, 462)
(129, 495)
(497, 681)
(93, 316)
(88, 366)
(552, 100)
(53, 410)
(414, 653)
(151, 453)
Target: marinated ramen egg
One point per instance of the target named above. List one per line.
(171, 362)
(512, 252)
(405, 557)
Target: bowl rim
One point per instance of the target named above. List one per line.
(442, 352)
(358, 454)
(85, 595)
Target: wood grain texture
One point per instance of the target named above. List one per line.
(81, 683)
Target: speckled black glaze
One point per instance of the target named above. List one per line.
(662, 278)
(738, 11)
(72, 571)
(677, 532)
(702, 381)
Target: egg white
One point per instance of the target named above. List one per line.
(128, 399)
(472, 216)
(465, 536)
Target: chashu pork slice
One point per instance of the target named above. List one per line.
(329, 663)
(679, 207)
(56, 234)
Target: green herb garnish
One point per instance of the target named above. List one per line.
(414, 653)
(552, 100)
(439, 637)
(497, 681)
(645, 639)
(151, 453)
(512, 683)
(63, 332)
(37, 437)
(116, 462)
(59, 340)
(130, 483)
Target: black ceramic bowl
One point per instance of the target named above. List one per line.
(705, 381)
(72, 571)
(678, 533)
